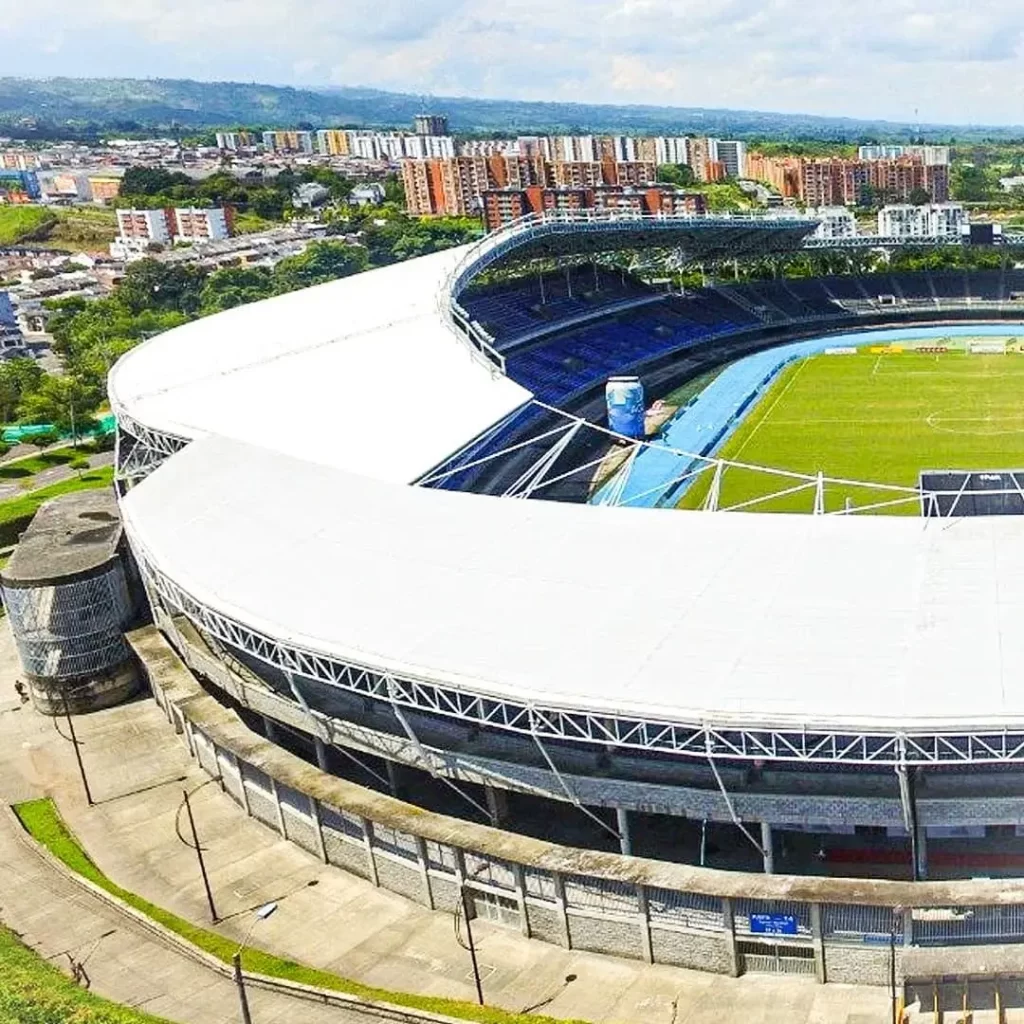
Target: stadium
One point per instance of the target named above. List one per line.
(632, 695)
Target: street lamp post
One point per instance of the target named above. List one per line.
(472, 945)
(896, 912)
(262, 913)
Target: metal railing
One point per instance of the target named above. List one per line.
(497, 244)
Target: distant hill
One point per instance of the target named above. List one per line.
(126, 104)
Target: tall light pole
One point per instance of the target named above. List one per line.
(472, 946)
(261, 914)
(896, 912)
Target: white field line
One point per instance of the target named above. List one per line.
(781, 395)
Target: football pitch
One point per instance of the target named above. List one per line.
(874, 416)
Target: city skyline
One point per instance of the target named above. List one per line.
(950, 62)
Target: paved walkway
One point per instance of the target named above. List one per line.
(328, 918)
(123, 961)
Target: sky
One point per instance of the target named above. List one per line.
(953, 61)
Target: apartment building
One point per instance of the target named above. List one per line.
(928, 155)
(332, 142)
(947, 220)
(139, 228)
(202, 224)
(430, 124)
(836, 181)
(836, 222)
(288, 142)
(500, 206)
(19, 160)
(234, 141)
(731, 155)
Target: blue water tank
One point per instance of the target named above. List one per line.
(625, 399)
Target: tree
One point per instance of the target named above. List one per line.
(235, 286)
(920, 197)
(676, 174)
(66, 402)
(18, 377)
(322, 261)
(970, 184)
(149, 284)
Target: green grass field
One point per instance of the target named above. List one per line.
(875, 417)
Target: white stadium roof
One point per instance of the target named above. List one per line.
(360, 373)
(767, 619)
(290, 513)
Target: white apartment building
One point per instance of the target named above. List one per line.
(138, 229)
(836, 222)
(573, 149)
(946, 220)
(196, 224)
(671, 149)
(930, 156)
(731, 154)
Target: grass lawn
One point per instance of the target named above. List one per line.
(43, 822)
(83, 227)
(17, 469)
(22, 222)
(876, 417)
(33, 989)
(65, 227)
(16, 513)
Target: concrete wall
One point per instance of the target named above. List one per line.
(569, 909)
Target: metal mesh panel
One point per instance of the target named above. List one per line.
(599, 894)
(491, 871)
(72, 629)
(969, 924)
(684, 908)
(345, 824)
(391, 840)
(440, 857)
(539, 884)
(857, 922)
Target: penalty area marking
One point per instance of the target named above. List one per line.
(989, 425)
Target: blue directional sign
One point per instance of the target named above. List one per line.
(773, 924)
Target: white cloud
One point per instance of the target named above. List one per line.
(956, 60)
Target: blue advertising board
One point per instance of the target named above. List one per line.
(773, 924)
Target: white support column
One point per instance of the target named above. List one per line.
(922, 852)
(321, 754)
(524, 912)
(394, 777)
(766, 846)
(497, 804)
(819, 495)
(625, 837)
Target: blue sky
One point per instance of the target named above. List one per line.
(955, 61)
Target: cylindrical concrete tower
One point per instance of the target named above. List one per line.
(69, 602)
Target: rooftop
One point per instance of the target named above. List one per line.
(70, 536)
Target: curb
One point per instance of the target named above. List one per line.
(294, 989)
